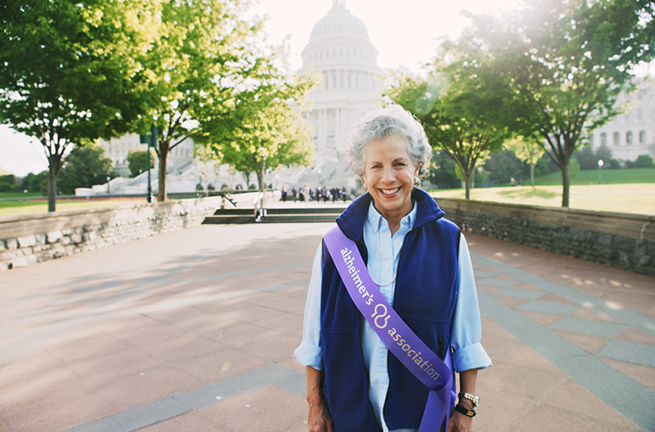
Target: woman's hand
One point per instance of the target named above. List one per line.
(319, 418)
(460, 423)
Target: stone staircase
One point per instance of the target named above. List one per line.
(275, 215)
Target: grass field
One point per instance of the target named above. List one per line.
(612, 176)
(17, 208)
(623, 198)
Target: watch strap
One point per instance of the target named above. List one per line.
(466, 412)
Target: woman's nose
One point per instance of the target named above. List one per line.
(388, 175)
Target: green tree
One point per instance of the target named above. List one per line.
(644, 161)
(70, 71)
(265, 130)
(458, 108)
(137, 161)
(586, 158)
(8, 183)
(528, 151)
(208, 54)
(565, 61)
(442, 171)
(604, 153)
(33, 182)
(503, 166)
(84, 167)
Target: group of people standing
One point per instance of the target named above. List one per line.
(318, 194)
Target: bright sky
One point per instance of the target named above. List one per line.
(404, 33)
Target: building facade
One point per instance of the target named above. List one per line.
(117, 150)
(631, 133)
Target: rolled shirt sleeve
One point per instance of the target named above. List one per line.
(466, 333)
(310, 353)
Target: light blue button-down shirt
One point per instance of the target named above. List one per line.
(383, 255)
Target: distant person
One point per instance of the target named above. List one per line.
(353, 382)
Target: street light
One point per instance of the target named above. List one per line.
(108, 190)
(151, 140)
(600, 173)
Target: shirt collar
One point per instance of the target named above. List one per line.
(375, 219)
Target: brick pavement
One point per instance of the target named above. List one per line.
(194, 331)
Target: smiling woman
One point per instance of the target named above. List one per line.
(411, 265)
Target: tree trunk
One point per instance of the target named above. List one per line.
(163, 157)
(54, 163)
(532, 175)
(467, 186)
(566, 182)
(52, 186)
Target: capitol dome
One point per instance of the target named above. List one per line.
(339, 21)
(339, 37)
(340, 51)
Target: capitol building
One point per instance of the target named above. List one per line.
(341, 52)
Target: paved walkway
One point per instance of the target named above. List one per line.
(194, 331)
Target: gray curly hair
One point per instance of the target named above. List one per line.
(380, 125)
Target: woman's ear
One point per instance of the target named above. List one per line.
(418, 168)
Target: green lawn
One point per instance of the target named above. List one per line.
(612, 176)
(623, 198)
(17, 208)
(5, 195)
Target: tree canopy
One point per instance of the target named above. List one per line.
(266, 129)
(137, 161)
(564, 62)
(70, 71)
(458, 110)
(84, 167)
(213, 72)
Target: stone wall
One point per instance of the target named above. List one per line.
(30, 239)
(621, 240)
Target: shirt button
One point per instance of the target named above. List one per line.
(386, 266)
(384, 359)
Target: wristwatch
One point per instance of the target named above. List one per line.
(469, 396)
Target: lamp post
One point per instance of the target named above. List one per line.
(600, 172)
(108, 190)
(151, 140)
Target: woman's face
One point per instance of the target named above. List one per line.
(389, 176)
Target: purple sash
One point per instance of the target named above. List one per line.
(392, 330)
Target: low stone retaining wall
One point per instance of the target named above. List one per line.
(621, 240)
(30, 239)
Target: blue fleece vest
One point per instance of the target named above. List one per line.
(425, 298)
